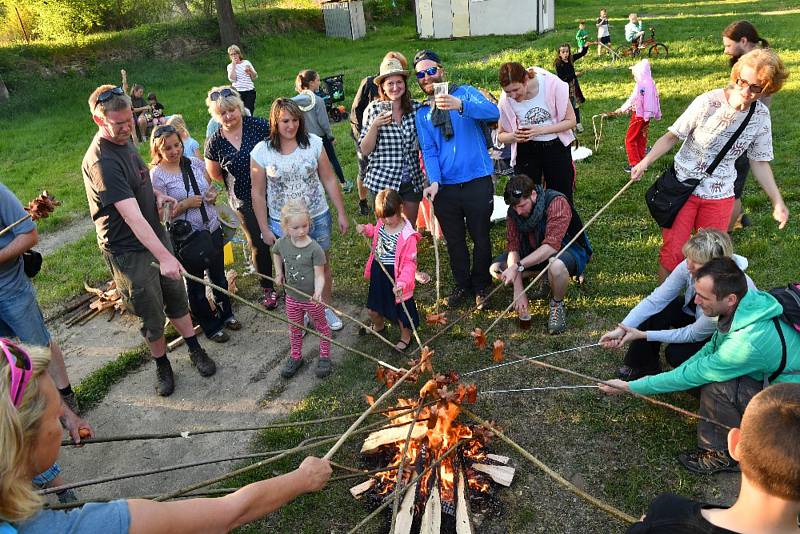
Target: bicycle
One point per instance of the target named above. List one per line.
(654, 48)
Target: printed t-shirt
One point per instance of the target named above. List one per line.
(535, 112)
(298, 265)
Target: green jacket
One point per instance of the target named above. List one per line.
(751, 347)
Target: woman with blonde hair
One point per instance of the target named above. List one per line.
(30, 439)
(191, 148)
(669, 314)
(228, 161)
(241, 74)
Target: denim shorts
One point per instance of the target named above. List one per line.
(20, 316)
(320, 229)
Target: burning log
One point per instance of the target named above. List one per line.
(432, 517)
(463, 523)
(405, 515)
(360, 489)
(392, 435)
(502, 474)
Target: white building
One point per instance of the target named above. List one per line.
(442, 19)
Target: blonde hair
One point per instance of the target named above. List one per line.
(216, 107)
(18, 429)
(179, 124)
(115, 103)
(294, 208)
(769, 69)
(234, 48)
(708, 244)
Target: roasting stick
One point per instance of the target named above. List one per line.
(343, 314)
(435, 235)
(619, 514)
(522, 360)
(542, 388)
(560, 252)
(262, 311)
(405, 488)
(14, 224)
(401, 466)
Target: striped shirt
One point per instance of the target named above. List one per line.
(242, 82)
(386, 247)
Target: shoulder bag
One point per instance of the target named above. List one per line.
(193, 248)
(667, 195)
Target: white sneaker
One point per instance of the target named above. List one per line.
(579, 127)
(333, 320)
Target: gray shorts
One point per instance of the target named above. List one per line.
(147, 294)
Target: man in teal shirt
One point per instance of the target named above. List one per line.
(739, 360)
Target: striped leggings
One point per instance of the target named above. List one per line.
(295, 309)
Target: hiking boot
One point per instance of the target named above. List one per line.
(482, 298)
(628, 374)
(708, 461)
(333, 320)
(458, 297)
(205, 365)
(270, 300)
(291, 367)
(324, 367)
(166, 381)
(363, 207)
(558, 318)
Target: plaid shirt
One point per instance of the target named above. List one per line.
(395, 146)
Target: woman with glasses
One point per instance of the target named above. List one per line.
(31, 433)
(176, 175)
(228, 160)
(241, 74)
(705, 128)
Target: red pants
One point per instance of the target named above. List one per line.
(636, 139)
(695, 214)
(295, 309)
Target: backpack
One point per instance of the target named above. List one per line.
(789, 299)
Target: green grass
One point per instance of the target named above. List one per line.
(622, 449)
(95, 386)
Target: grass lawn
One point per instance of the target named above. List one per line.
(621, 450)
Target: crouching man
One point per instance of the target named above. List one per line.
(540, 222)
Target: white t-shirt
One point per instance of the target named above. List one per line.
(292, 176)
(535, 112)
(243, 81)
(706, 126)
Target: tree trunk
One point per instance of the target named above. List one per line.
(228, 33)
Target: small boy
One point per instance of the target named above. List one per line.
(633, 30)
(155, 115)
(767, 447)
(603, 35)
(582, 35)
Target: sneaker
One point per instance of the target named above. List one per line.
(220, 336)
(347, 186)
(166, 381)
(200, 359)
(458, 297)
(324, 367)
(628, 374)
(708, 461)
(745, 221)
(579, 127)
(270, 300)
(558, 318)
(363, 208)
(67, 496)
(481, 298)
(627, 168)
(333, 320)
(233, 324)
(291, 367)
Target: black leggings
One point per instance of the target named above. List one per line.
(249, 100)
(261, 256)
(548, 160)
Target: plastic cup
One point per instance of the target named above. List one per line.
(524, 321)
(440, 88)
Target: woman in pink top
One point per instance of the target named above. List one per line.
(537, 119)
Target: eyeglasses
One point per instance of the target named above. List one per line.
(430, 71)
(744, 84)
(161, 131)
(107, 95)
(225, 93)
(21, 369)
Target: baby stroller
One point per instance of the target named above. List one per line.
(332, 92)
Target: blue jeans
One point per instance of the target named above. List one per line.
(320, 229)
(21, 317)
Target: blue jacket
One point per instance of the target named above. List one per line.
(464, 156)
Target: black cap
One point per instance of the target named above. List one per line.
(422, 55)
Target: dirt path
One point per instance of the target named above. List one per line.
(65, 235)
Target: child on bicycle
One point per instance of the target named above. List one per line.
(643, 105)
(633, 30)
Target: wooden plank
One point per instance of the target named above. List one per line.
(499, 459)
(442, 19)
(463, 523)
(432, 518)
(501, 474)
(425, 18)
(405, 515)
(359, 489)
(460, 18)
(392, 435)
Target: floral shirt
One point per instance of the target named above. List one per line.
(292, 176)
(705, 127)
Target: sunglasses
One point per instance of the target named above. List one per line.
(744, 84)
(513, 196)
(21, 369)
(105, 96)
(225, 93)
(430, 71)
(161, 131)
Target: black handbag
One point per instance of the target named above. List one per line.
(193, 248)
(667, 195)
(31, 262)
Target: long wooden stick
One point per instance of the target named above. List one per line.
(343, 314)
(577, 235)
(435, 234)
(402, 302)
(619, 514)
(396, 503)
(14, 224)
(262, 311)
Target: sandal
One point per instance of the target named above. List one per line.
(402, 346)
(362, 331)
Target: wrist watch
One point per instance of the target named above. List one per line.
(520, 267)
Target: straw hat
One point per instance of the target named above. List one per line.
(390, 67)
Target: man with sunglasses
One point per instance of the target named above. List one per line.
(125, 210)
(454, 147)
(540, 222)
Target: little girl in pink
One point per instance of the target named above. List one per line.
(643, 104)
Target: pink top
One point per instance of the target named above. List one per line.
(557, 96)
(644, 99)
(405, 256)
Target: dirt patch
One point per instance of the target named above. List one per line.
(65, 235)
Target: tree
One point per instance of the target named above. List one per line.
(228, 33)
